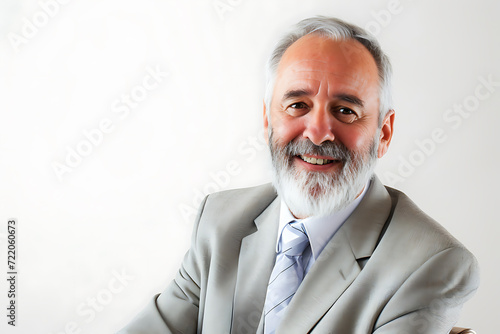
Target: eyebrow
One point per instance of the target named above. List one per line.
(351, 99)
(296, 93)
(345, 97)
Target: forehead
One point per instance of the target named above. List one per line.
(344, 64)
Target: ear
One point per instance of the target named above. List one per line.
(266, 122)
(386, 133)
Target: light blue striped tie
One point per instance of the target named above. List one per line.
(287, 275)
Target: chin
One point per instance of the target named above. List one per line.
(321, 194)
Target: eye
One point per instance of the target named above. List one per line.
(297, 109)
(298, 105)
(346, 115)
(346, 111)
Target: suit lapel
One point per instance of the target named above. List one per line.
(337, 267)
(256, 261)
(329, 277)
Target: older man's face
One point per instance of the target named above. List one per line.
(326, 93)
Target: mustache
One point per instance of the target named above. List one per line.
(335, 150)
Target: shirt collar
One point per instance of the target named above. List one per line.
(319, 229)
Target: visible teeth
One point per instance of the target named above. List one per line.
(315, 161)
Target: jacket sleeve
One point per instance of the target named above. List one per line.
(430, 300)
(176, 309)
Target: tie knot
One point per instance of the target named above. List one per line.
(294, 239)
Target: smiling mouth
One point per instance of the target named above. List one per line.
(316, 161)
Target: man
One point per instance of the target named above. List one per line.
(328, 249)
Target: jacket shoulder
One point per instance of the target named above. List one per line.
(235, 208)
(241, 200)
(263, 190)
(415, 232)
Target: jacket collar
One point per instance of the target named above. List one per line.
(337, 266)
(335, 269)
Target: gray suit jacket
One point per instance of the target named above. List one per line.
(389, 269)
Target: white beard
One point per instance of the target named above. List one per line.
(317, 193)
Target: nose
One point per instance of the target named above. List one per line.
(319, 126)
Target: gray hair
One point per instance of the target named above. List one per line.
(336, 30)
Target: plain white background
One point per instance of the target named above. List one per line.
(97, 240)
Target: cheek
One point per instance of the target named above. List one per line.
(287, 129)
(355, 139)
